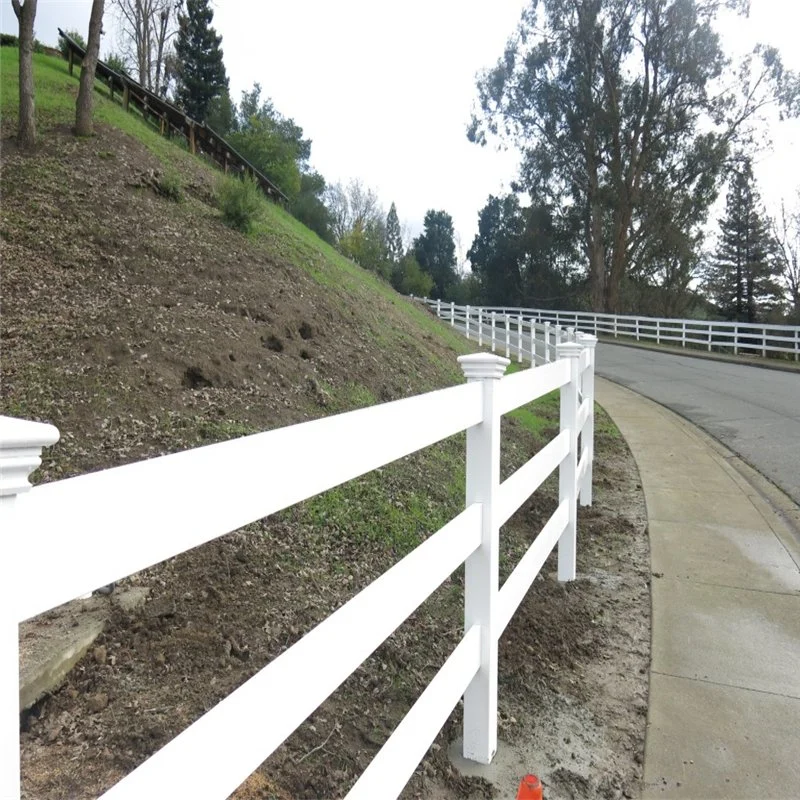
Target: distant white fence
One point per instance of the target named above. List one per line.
(61, 539)
(736, 337)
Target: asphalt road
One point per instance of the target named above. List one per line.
(753, 411)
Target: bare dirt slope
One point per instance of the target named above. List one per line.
(140, 326)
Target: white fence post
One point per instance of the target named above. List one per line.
(21, 444)
(467, 321)
(547, 343)
(482, 567)
(494, 316)
(709, 337)
(637, 329)
(683, 334)
(587, 390)
(508, 339)
(439, 308)
(452, 313)
(480, 327)
(519, 338)
(568, 471)
(736, 340)
(658, 332)
(533, 341)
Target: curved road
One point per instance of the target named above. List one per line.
(753, 411)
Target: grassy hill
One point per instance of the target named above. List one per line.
(140, 325)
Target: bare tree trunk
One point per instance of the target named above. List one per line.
(83, 112)
(26, 131)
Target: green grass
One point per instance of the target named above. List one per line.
(391, 505)
(56, 92)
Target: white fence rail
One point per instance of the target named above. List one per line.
(94, 529)
(736, 337)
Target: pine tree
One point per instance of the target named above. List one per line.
(201, 73)
(742, 277)
(394, 237)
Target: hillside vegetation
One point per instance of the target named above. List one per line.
(139, 323)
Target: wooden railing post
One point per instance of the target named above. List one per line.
(21, 444)
(481, 574)
(589, 343)
(568, 471)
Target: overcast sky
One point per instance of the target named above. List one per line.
(384, 90)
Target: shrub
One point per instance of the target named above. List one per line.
(76, 37)
(8, 40)
(170, 185)
(239, 200)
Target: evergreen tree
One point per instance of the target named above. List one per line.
(435, 250)
(742, 276)
(394, 237)
(201, 73)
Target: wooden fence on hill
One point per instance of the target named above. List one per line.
(171, 120)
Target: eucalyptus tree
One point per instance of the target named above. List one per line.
(620, 107)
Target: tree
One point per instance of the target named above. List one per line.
(787, 236)
(222, 114)
(351, 207)
(83, 105)
(435, 250)
(145, 28)
(496, 254)
(271, 142)
(200, 70)
(521, 255)
(394, 237)
(616, 102)
(26, 128)
(309, 208)
(742, 277)
(408, 277)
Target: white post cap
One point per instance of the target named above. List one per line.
(21, 443)
(568, 350)
(587, 340)
(479, 366)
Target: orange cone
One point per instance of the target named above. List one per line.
(530, 788)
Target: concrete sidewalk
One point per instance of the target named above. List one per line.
(724, 707)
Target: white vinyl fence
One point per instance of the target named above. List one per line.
(735, 337)
(88, 531)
